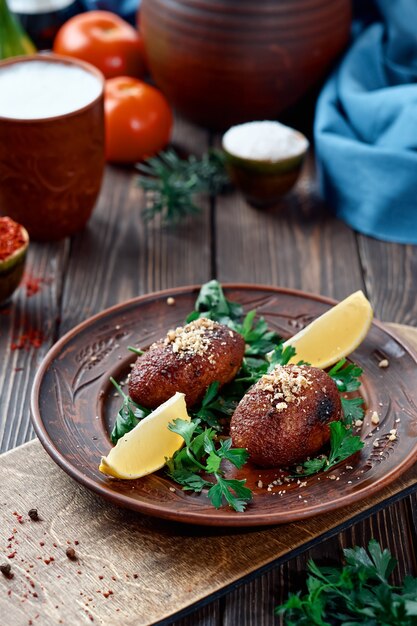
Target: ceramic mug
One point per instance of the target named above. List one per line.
(52, 146)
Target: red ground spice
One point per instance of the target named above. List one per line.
(33, 284)
(11, 237)
(32, 338)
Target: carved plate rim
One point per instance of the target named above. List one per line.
(221, 517)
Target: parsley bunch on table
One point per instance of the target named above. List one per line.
(357, 593)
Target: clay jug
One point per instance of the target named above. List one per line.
(221, 62)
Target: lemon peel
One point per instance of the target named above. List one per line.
(335, 334)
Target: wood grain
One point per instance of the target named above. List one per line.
(390, 272)
(119, 256)
(150, 566)
(296, 244)
(40, 313)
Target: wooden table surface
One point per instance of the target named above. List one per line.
(299, 244)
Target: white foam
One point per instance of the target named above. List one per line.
(40, 89)
(264, 141)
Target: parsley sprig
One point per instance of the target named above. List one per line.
(129, 415)
(342, 446)
(201, 458)
(357, 593)
(347, 380)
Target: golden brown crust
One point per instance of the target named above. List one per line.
(284, 417)
(188, 360)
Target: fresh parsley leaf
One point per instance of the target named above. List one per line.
(184, 428)
(280, 356)
(232, 491)
(342, 444)
(258, 338)
(236, 456)
(346, 378)
(129, 415)
(201, 459)
(352, 409)
(313, 466)
(212, 303)
(358, 592)
(214, 407)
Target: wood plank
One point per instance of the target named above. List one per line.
(175, 565)
(297, 244)
(390, 272)
(38, 313)
(119, 256)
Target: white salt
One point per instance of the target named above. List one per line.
(264, 141)
(39, 89)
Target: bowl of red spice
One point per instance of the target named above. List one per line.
(14, 242)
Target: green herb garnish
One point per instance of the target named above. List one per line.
(347, 380)
(204, 454)
(172, 183)
(129, 415)
(357, 593)
(342, 445)
(212, 303)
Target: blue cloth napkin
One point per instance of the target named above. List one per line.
(366, 128)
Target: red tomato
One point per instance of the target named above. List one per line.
(138, 120)
(104, 40)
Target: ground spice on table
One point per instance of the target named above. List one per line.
(31, 338)
(11, 237)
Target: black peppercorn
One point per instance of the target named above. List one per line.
(5, 569)
(33, 514)
(70, 552)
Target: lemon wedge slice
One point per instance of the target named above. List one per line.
(144, 449)
(335, 334)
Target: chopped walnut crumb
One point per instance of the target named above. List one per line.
(383, 363)
(392, 437)
(194, 338)
(281, 406)
(375, 418)
(375, 443)
(260, 484)
(286, 384)
(358, 423)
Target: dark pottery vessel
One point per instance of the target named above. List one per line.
(221, 62)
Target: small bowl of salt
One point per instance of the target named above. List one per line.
(264, 160)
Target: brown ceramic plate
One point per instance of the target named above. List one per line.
(73, 409)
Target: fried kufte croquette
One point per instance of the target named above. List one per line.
(188, 360)
(284, 417)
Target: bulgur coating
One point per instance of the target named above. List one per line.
(188, 360)
(284, 417)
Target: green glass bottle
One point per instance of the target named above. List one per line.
(13, 39)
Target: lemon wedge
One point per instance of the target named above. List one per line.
(335, 334)
(144, 449)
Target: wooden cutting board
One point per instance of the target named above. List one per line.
(131, 569)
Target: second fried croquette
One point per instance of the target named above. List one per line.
(188, 360)
(284, 418)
